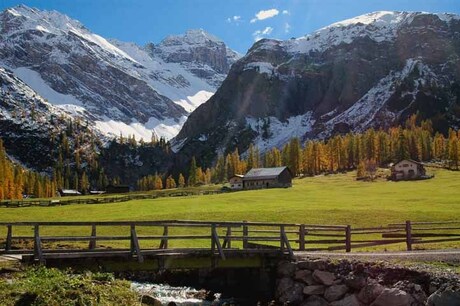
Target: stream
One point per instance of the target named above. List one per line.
(183, 296)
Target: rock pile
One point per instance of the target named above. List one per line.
(322, 283)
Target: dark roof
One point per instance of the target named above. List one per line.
(409, 160)
(264, 173)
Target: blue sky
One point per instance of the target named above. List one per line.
(238, 22)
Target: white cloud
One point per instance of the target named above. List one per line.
(285, 12)
(235, 19)
(287, 27)
(265, 14)
(259, 34)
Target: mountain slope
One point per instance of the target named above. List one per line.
(120, 87)
(370, 71)
(27, 122)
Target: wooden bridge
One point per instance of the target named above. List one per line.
(217, 241)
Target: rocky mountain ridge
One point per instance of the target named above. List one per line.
(374, 70)
(119, 87)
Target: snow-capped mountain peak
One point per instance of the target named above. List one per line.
(379, 26)
(120, 87)
(191, 37)
(26, 19)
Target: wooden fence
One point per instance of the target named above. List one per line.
(217, 237)
(346, 238)
(101, 200)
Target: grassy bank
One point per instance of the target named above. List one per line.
(42, 286)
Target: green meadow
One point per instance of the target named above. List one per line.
(329, 200)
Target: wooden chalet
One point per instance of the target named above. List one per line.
(408, 169)
(236, 182)
(278, 177)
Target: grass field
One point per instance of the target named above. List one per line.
(334, 199)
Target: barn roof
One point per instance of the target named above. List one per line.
(264, 173)
(409, 160)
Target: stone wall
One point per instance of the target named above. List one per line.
(350, 283)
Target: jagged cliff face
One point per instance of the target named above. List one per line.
(119, 87)
(370, 71)
(200, 53)
(27, 122)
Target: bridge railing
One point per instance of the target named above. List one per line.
(45, 239)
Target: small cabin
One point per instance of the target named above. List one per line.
(408, 169)
(68, 192)
(277, 177)
(236, 182)
(117, 189)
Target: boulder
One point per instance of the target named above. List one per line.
(303, 276)
(312, 265)
(350, 300)
(315, 289)
(355, 282)
(150, 300)
(370, 292)
(447, 298)
(393, 297)
(289, 291)
(314, 300)
(335, 292)
(286, 269)
(324, 277)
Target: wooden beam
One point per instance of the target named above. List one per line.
(408, 235)
(245, 235)
(135, 245)
(217, 242)
(286, 242)
(38, 253)
(92, 242)
(228, 240)
(302, 237)
(9, 235)
(164, 240)
(348, 239)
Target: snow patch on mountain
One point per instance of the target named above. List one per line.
(35, 81)
(166, 128)
(278, 132)
(260, 67)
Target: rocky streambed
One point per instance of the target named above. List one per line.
(319, 282)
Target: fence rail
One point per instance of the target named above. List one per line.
(218, 237)
(102, 200)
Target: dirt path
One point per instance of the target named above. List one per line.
(444, 255)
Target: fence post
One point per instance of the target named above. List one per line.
(213, 241)
(92, 241)
(135, 248)
(409, 235)
(348, 238)
(38, 254)
(302, 237)
(282, 238)
(9, 236)
(228, 240)
(164, 240)
(245, 235)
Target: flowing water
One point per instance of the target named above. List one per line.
(185, 296)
